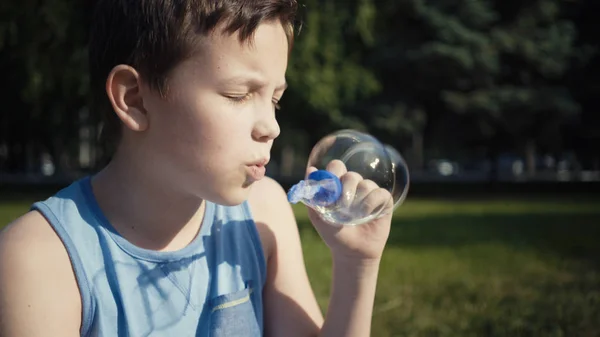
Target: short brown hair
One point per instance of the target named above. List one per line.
(154, 36)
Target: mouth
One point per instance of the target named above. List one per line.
(260, 162)
(257, 170)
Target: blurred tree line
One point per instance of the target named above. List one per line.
(441, 78)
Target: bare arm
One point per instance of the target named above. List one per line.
(38, 290)
(290, 305)
(289, 302)
(351, 302)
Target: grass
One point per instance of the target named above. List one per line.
(512, 267)
(482, 268)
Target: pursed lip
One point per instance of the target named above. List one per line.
(260, 162)
(257, 170)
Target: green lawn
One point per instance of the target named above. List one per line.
(476, 268)
(483, 268)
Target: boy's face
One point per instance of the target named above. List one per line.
(211, 135)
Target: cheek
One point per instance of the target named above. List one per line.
(201, 134)
(175, 131)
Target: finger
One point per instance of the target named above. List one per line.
(336, 167)
(350, 182)
(310, 170)
(364, 188)
(378, 200)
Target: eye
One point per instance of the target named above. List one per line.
(239, 98)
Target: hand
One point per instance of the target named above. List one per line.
(361, 243)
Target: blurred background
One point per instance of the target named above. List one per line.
(492, 103)
(466, 90)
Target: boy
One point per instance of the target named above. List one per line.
(181, 234)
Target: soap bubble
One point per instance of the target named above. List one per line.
(360, 153)
(401, 176)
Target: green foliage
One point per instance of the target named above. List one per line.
(516, 86)
(324, 72)
(509, 72)
(42, 48)
(500, 65)
(399, 118)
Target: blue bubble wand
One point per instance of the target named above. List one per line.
(321, 188)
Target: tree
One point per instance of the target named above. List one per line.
(499, 65)
(326, 69)
(584, 82)
(326, 73)
(43, 54)
(523, 93)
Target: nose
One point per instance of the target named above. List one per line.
(266, 127)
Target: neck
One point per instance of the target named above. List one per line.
(144, 209)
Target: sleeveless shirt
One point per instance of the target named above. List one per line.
(211, 287)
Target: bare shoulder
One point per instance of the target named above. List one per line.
(271, 211)
(38, 291)
(267, 193)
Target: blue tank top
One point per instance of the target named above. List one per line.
(212, 287)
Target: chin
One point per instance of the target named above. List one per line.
(232, 196)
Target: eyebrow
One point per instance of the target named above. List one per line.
(254, 82)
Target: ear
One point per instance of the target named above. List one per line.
(124, 89)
